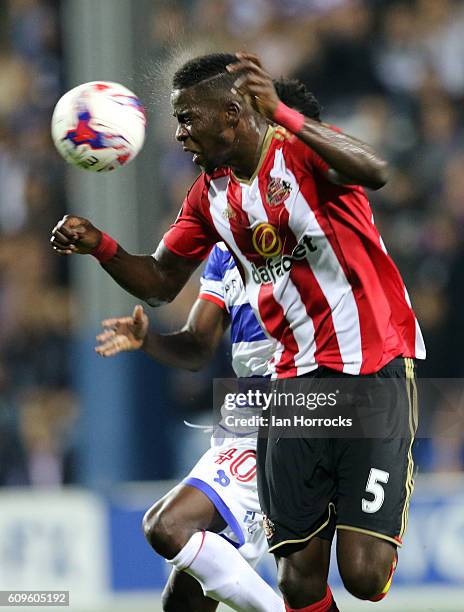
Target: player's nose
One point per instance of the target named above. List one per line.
(181, 133)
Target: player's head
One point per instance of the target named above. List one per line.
(293, 93)
(213, 121)
(211, 118)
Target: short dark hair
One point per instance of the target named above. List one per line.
(202, 68)
(293, 93)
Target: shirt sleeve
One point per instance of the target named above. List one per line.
(313, 160)
(212, 280)
(191, 235)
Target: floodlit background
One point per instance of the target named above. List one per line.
(76, 431)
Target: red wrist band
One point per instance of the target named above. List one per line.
(106, 248)
(288, 118)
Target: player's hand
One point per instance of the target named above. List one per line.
(123, 334)
(74, 235)
(254, 83)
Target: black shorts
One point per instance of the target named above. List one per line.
(307, 485)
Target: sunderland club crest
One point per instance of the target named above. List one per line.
(269, 527)
(228, 212)
(278, 191)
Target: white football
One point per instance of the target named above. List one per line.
(99, 126)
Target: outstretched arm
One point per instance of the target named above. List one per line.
(190, 348)
(350, 160)
(155, 279)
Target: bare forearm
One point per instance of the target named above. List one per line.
(138, 275)
(193, 345)
(348, 156)
(155, 279)
(179, 350)
(142, 276)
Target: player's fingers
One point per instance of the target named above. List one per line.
(60, 251)
(117, 321)
(57, 227)
(240, 65)
(251, 57)
(137, 314)
(63, 248)
(103, 349)
(109, 322)
(65, 231)
(60, 239)
(251, 85)
(236, 87)
(113, 346)
(107, 350)
(106, 335)
(241, 85)
(246, 66)
(71, 234)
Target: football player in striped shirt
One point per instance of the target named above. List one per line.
(288, 199)
(220, 491)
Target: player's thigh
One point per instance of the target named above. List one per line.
(375, 486)
(296, 490)
(183, 592)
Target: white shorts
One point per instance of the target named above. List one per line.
(226, 474)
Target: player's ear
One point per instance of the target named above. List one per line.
(233, 112)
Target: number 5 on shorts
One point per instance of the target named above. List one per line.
(373, 486)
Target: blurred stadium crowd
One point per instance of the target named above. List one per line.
(36, 404)
(389, 72)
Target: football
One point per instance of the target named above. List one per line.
(99, 126)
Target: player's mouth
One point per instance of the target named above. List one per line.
(196, 157)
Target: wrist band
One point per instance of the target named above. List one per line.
(288, 118)
(106, 248)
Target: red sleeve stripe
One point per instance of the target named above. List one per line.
(212, 298)
(170, 246)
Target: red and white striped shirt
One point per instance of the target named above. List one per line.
(316, 271)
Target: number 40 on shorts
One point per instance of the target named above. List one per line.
(242, 467)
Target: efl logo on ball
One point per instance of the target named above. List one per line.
(99, 126)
